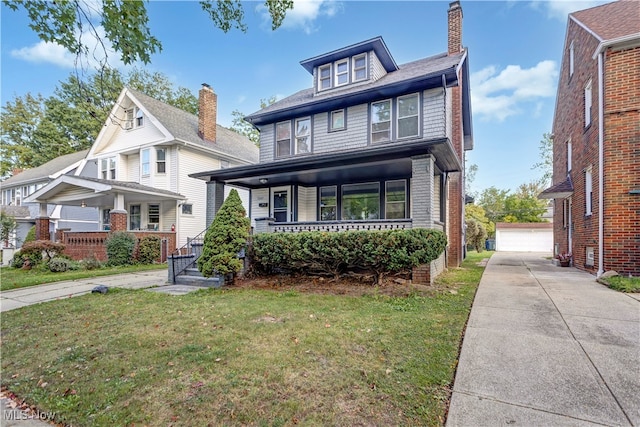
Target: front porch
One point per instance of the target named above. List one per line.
(268, 225)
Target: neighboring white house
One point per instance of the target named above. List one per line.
(139, 166)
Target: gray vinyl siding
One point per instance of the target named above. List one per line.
(78, 213)
(90, 169)
(433, 123)
(307, 203)
(376, 70)
(354, 136)
(449, 117)
(436, 199)
(267, 135)
(260, 195)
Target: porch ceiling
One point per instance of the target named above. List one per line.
(74, 190)
(386, 161)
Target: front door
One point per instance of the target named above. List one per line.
(281, 201)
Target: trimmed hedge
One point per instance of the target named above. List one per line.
(149, 249)
(377, 252)
(120, 246)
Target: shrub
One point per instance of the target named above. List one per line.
(120, 246)
(225, 238)
(31, 235)
(378, 252)
(18, 260)
(149, 249)
(59, 265)
(38, 250)
(91, 263)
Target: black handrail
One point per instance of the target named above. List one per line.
(185, 257)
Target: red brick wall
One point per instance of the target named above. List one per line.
(118, 221)
(42, 228)
(456, 184)
(622, 168)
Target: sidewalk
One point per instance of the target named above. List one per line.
(17, 298)
(547, 345)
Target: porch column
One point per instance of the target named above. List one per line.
(118, 215)
(215, 199)
(422, 191)
(42, 224)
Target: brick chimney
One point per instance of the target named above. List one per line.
(207, 113)
(455, 28)
(16, 171)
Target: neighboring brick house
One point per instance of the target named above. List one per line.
(23, 183)
(371, 145)
(596, 140)
(136, 173)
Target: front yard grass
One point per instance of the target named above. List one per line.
(241, 356)
(14, 278)
(623, 284)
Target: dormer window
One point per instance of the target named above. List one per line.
(342, 72)
(360, 67)
(324, 82)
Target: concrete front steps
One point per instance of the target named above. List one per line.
(192, 276)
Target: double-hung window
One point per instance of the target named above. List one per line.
(396, 199)
(328, 203)
(588, 103)
(161, 160)
(144, 160)
(134, 217)
(381, 121)
(303, 135)
(283, 139)
(154, 215)
(359, 67)
(337, 121)
(588, 191)
(108, 168)
(324, 77)
(571, 58)
(342, 72)
(408, 116)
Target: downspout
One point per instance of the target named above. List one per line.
(600, 164)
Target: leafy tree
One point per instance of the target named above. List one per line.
(123, 25)
(492, 201)
(226, 236)
(470, 176)
(476, 234)
(477, 212)
(243, 127)
(8, 225)
(545, 165)
(521, 206)
(35, 129)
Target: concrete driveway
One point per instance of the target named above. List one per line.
(547, 345)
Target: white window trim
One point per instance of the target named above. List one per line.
(588, 103)
(161, 161)
(569, 155)
(588, 190)
(354, 69)
(307, 135)
(143, 162)
(108, 169)
(337, 74)
(344, 120)
(371, 122)
(571, 58)
(417, 114)
(320, 79)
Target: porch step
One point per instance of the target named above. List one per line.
(192, 271)
(210, 282)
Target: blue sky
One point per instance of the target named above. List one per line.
(514, 52)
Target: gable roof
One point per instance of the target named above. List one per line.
(184, 127)
(612, 20)
(46, 170)
(433, 71)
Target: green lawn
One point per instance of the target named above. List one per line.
(241, 356)
(14, 278)
(623, 284)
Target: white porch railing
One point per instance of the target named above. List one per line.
(383, 224)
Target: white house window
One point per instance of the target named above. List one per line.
(134, 217)
(108, 168)
(569, 155)
(361, 201)
(283, 139)
(571, 53)
(324, 77)
(144, 161)
(328, 203)
(408, 117)
(337, 120)
(154, 215)
(106, 219)
(187, 209)
(359, 67)
(161, 160)
(303, 135)
(588, 191)
(128, 120)
(396, 199)
(342, 72)
(139, 118)
(381, 121)
(134, 118)
(588, 102)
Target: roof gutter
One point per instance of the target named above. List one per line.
(631, 40)
(222, 155)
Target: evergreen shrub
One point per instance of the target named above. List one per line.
(149, 249)
(120, 246)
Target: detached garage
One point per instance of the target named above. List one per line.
(524, 237)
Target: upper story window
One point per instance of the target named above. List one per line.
(342, 72)
(134, 118)
(108, 168)
(588, 103)
(303, 135)
(569, 155)
(299, 144)
(359, 67)
(571, 59)
(337, 120)
(283, 139)
(381, 121)
(144, 162)
(408, 117)
(588, 191)
(161, 160)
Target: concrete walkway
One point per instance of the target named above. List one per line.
(547, 346)
(17, 298)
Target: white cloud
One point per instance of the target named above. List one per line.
(498, 95)
(304, 14)
(53, 53)
(560, 9)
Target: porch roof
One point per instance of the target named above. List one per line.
(94, 192)
(390, 161)
(562, 190)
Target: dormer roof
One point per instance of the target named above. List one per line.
(375, 44)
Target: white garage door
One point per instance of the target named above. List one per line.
(524, 240)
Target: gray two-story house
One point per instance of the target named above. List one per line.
(370, 145)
